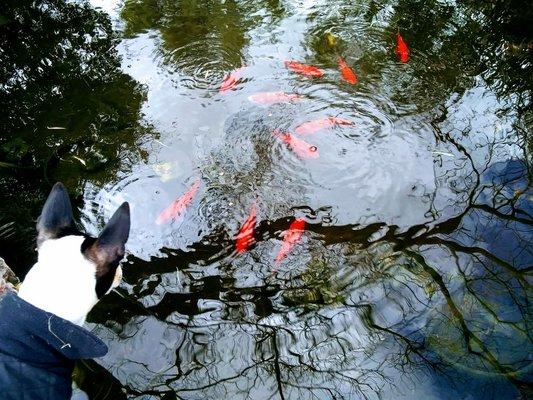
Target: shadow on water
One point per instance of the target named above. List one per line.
(413, 277)
(69, 112)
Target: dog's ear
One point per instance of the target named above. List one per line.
(108, 249)
(56, 219)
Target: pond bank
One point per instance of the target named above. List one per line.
(8, 279)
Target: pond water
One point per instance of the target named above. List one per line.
(412, 278)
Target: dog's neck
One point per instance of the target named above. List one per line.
(62, 281)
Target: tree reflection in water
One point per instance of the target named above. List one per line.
(436, 309)
(452, 299)
(435, 305)
(68, 111)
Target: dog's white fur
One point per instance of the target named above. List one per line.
(63, 280)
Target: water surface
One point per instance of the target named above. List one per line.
(413, 277)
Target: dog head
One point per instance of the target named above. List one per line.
(74, 270)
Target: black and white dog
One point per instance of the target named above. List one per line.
(40, 329)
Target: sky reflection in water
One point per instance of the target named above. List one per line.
(413, 276)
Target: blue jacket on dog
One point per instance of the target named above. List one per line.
(38, 351)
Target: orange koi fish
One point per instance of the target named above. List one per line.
(347, 73)
(273, 97)
(290, 238)
(304, 69)
(179, 205)
(245, 237)
(230, 81)
(299, 146)
(401, 48)
(321, 123)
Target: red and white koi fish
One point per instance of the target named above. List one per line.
(178, 206)
(290, 238)
(401, 48)
(299, 146)
(245, 237)
(304, 69)
(321, 123)
(347, 73)
(231, 80)
(273, 97)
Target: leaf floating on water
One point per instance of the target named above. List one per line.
(164, 171)
(7, 229)
(161, 143)
(442, 153)
(7, 165)
(331, 40)
(83, 162)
